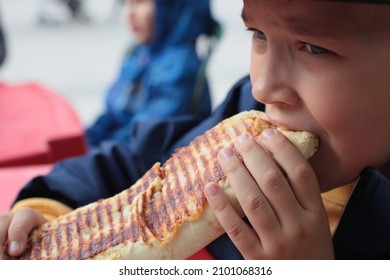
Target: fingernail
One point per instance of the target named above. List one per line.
(211, 190)
(14, 247)
(226, 153)
(268, 133)
(242, 138)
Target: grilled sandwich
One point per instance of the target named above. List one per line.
(165, 214)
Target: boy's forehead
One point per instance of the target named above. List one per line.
(326, 18)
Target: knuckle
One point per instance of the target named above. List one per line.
(19, 226)
(279, 142)
(246, 146)
(235, 232)
(300, 234)
(17, 230)
(303, 172)
(219, 206)
(232, 167)
(272, 179)
(299, 231)
(276, 250)
(255, 203)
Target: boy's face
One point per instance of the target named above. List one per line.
(325, 67)
(140, 18)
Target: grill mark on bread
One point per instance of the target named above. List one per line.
(79, 234)
(35, 252)
(141, 218)
(167, 217)
(142, 184)
(47, 244)
(69, 241)
(58, 234)
(182, 181)
(202, 164)
(151, 215)
(109, 238)
(134, 231)
(121, 225)
(178, 193)
(80, 223)
(100, 217)
(215, 145)
(91, 225)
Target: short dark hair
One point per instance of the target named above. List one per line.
(363, 1)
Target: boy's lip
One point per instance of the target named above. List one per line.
(282, 124)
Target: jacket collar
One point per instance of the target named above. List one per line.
(364, 228)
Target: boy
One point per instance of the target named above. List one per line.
(316, 65)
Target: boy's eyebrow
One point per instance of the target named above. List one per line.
(294, 25)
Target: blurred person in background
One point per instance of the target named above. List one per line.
(159, 74)
(2, 44)
(61, 11)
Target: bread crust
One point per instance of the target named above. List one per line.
(165, 214)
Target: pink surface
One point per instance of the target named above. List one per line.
(37, 126)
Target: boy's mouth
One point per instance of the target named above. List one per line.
(282, 124)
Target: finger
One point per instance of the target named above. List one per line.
(5, 221)
(271, 182)
(23, 222)
(298, 170)
(253, 202)
(238, 231)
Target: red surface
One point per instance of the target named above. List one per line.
(12, 179)
(203, 254)
(37, 126)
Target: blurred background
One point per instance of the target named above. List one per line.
(79, 58)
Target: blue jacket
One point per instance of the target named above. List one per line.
(363, 231)
(157, 80)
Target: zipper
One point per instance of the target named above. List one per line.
(346, 203)
(348, 216)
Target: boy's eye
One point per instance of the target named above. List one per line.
(316, 50)
(258, 35)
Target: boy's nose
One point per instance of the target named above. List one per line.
(272, 78)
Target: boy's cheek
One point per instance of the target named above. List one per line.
(326, 166)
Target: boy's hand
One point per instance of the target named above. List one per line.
(279, 193)
(14, 230)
